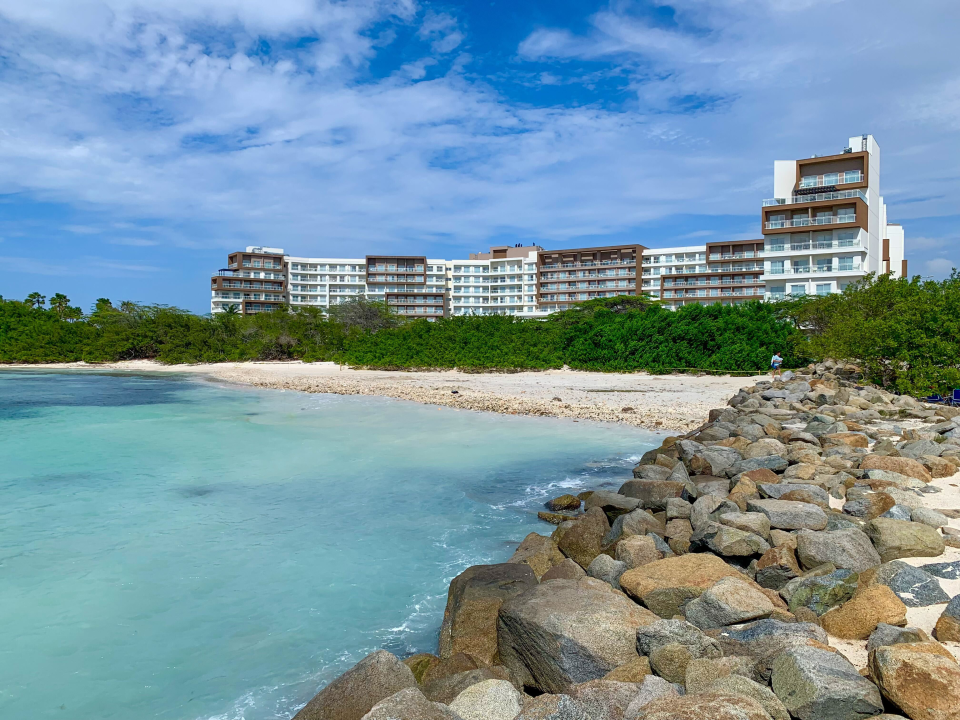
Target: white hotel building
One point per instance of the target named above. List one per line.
(825, 227)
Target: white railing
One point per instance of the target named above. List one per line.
(830, 179)
(821, 245)
(736, 256)
(808, 270)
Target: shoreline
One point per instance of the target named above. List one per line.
(652, 402)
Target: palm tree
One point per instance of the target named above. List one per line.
(36, 300)
(60, 303)
(231, 309)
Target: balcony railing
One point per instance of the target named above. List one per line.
(820, 245)
(736, 256)
(808, 221)
(808, 270)
(817, 197)
(830, 179)
(588, 264)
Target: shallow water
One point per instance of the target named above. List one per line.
(172, 548)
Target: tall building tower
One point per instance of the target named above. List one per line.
(826, 225)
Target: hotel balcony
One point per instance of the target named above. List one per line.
(588, 264)
(817, 197)
(831, 179)
(809, 221)
(808, 270)
(851, 245)
(735, 256)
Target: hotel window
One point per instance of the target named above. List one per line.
(823, 288)
(846, 238)
(777, 267)
(798, 289)
(845, 263)
(824, 264)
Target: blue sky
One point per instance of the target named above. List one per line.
(142, 141)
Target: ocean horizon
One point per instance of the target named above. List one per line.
(173, 547)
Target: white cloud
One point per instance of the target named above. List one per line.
(126, 108)
(939, 267)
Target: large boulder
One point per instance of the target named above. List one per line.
(728, 541)
(565, 632)
(444, 689)
(896, 539)
(765, 640)
(410, 704)
(353, 694)
(613, 504)
(662, 633)
(729, 601)
(848, 548)
(651, 688)
(539, 552)
(637, 550)
(922, 679)
(488, 700)
(714, 460)
(604, 699)
(948, 625)
(703, 706)
(775, 463)
(607, 569)
(652, 494)
(582, 541)
(664, 586)
(777, 567)
(790, 515)
(745, 687)
(894, 635)
(859, 616)
(902, 465)
(818, 684)
(553, 707)
(475, 595)
(821, 593)
(567, 570)
(912, 585)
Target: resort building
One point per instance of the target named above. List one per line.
(825, 227)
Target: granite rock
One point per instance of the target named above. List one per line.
(849, 549)
(817, 684)
(922, 679)
(488, 700)
(790, 515)
(410, 704)
(896, 539)
(729, 601)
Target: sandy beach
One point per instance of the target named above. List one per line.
(657, 402)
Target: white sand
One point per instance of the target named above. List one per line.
(667, 402)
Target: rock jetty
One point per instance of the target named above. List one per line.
(719, 583)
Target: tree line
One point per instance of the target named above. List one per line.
(903, 333)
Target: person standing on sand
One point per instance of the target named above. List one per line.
(775, 362)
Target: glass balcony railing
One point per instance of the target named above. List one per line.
(818, 245)
(817, 197)
(830, 179)
(736, 256)
(808, 221)
(818, 270)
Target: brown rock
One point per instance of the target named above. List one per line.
(852, 439)
(633, 671)
(762, 475)
(457, 663)
(583, 540)
(859, 616)
(678, 528)
(567, 570)
(807, 496)
(475, 595)
(539, 552)
(902, 465)
(420, 663)
(777, 566)
(553, 518)
(637, 550)
(353, 694)
(938, 467)
(446, 689)
(564, 502)
(922, 679)
(664, 585)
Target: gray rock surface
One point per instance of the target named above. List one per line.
(790, 515)
(728, 602)
(553, 707)
(764, 640)
(945, 570)
(848, 549)
(651, 688)
(488, 700)
(607, 569)
(604, 699)
(892, 635)
(895, 539)
(776, 491)
(912, 585)
(677, 632)
(564, 632)
(929, 516)
(745, 687)
(815, 684)
(770, 462)
(445, 689)
(353, 694)
(410, 704)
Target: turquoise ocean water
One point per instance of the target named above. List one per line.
(173, 548)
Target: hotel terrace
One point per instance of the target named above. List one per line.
(825, 227)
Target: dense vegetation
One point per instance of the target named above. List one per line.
(904, 333)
